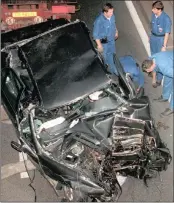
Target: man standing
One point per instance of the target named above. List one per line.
(160, 30)
(162, 62)
(105, 33)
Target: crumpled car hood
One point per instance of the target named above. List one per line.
(64, 65)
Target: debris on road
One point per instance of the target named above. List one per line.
(162, 125)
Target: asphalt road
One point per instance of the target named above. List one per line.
(129, 42)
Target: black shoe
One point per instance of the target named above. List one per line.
(167, 112)
(160, 99)
(158, 83)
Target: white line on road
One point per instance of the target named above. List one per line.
(11, 169)
(22, 157)
(6, 122)
(121, 179)
(139, 25)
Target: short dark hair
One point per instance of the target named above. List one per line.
(158, 5)
(146, 64)
(106, 7)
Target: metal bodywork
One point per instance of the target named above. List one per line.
(78, 123)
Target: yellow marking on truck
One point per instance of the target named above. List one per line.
(24, 14)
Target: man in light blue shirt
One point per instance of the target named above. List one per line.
(160, 31)
(162, 62)
(105, 33)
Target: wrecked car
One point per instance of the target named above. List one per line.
(78, 124)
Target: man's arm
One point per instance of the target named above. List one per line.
(96, 32)
(114, 22)
(154, 77)
(168, 24)
(154, 74)
(166, 38)
(98, 42)
(99, 45)
(116, 34)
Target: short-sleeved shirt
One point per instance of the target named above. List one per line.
(104, 27)
(161, 24)
(164, 63)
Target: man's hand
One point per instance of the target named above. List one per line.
(116, 35)
(100, 48)
(99, 45)
(154, 85)
(163, 49)
(138, 89)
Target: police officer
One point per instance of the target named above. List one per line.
(105, 33)
(162, 62)
(130, 66)
(160, 30)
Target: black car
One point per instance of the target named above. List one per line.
(78, 124)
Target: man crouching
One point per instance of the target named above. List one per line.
(162, 62)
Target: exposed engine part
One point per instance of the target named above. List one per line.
(91, 163)
(134, 152)
(127, 137)
(77, 149)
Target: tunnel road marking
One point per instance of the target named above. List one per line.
(23, 157)
(138, 25)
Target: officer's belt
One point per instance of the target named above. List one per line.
(157, 35)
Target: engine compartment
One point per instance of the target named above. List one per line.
(130, 146)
